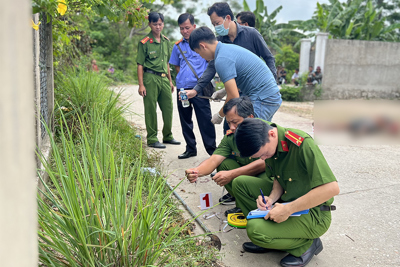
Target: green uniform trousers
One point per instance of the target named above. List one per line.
(230, 164)
(158, 90)
(295, 235)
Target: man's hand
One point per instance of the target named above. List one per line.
(191, 93)
(142, 90)
(172, 86)
(216, 118)
(223, 178)
(218, 94)
(261, 205)
(192, 174)
(279, 213)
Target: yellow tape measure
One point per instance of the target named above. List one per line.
(237, 220)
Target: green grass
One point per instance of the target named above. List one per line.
(98, 208)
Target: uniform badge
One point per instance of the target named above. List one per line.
(294, 138)
(229, 132)
(145, 39)
(236, 154)
(151, 40)
(284, 146)
(152, 52)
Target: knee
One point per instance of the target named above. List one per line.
(254, 232)
(228, 164)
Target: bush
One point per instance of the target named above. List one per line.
(290, 93)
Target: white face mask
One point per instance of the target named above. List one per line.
(220, 29)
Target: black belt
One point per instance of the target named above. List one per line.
(327, 208)
(156, 73)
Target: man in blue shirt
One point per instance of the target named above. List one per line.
(239, 69)
(187, 80)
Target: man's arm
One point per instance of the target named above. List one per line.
(170, 79)
(207, 76)
(231, 92)
(224, 177)
(177, 68)
(142, 89)
(205, 168)
(263, 51)
(315, 197)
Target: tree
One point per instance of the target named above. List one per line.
(355, 19)
(272, 31)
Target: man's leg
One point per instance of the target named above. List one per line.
(294, 235)
(266, 108)
(207, 129)
(150, 106)
(185, 116)
(165, 103)
(247, 189)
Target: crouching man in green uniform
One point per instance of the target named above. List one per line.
(302, 177)
(155, 84)
(227, 159)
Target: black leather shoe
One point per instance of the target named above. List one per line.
(234, 210)
(252, 248)
(187, 154)
(157, 145)
(172, 142)
(303, 260)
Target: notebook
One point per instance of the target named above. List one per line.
(261, 213)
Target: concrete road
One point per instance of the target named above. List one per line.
(365, 228)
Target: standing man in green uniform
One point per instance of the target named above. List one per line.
(155, 83)
(302, 177)
(226, 158)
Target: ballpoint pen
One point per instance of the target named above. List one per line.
(265, 202)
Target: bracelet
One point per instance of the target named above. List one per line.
(219, 116)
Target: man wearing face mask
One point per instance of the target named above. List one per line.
(230, 32)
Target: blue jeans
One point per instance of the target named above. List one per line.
(266, 108)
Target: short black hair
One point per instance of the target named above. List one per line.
(155, 16)
(297, 69)
(184, 17)
(251, 135)
(222, 9)
(244, 107)
(247, 16)
(202, 34)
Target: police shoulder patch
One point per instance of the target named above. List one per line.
(229, 132)
(165, 37)
(178, 42)
(294, 138)
(145, 39)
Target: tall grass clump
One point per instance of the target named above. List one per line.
(97, 213)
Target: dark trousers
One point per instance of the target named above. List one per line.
(203, 115)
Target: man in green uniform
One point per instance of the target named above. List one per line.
(302, 177)
(155, 84)
(226, 158)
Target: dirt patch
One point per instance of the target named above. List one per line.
(301, 109)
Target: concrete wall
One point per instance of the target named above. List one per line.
(361, 69)
(18, 215)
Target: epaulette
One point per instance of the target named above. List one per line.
(229, 132)
(294, 138)
(165, 37)
(145, 39)
(178, 42)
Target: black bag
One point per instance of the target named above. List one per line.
(210, 88)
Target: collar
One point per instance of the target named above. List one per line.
(219, 45)
(154, 39)
(239, 28)
(281, 137)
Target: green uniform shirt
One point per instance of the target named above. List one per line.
(154, 55)
(228, 147)
(299, 169)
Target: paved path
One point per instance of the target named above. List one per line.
(365, 229)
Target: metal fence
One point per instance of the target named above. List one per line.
(45, 45)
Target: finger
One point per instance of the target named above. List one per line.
(266, 216)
